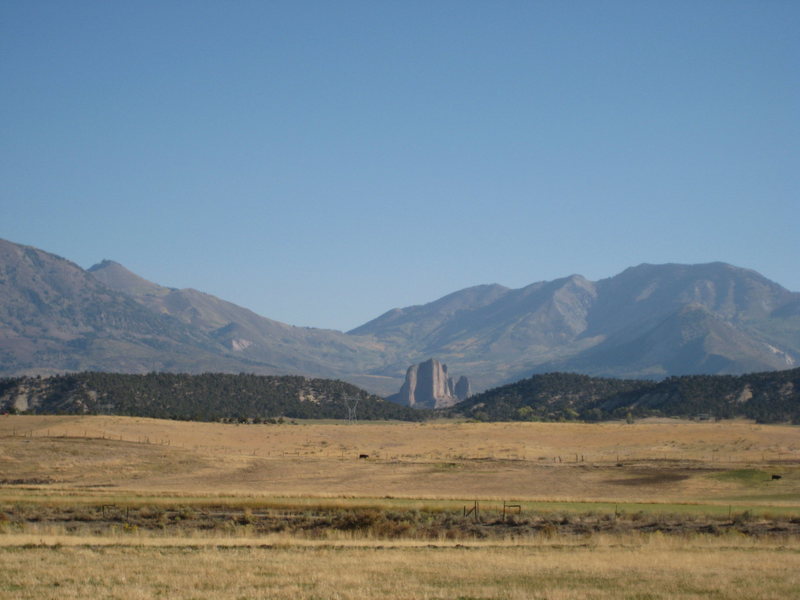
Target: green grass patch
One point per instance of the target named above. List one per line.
(750, 477)
(784, 498)
(447, 466)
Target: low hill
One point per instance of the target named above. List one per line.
(205, 397)
(547, 397)
(771, 397)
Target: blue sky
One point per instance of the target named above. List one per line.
(323, 162)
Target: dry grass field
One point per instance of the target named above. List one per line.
(604, 570)
(140, 508)
(648, 462)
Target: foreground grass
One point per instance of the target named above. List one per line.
(602, 568)
(110, 507)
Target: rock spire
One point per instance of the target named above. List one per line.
(428, 385)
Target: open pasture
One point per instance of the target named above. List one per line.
(666, 462)
(138, 508)
(602, 569)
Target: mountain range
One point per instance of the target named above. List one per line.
(650, 321)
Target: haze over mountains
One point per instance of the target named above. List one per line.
(648, 321)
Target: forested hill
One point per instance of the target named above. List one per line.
(769, 397)
(772, 397)
(548, 397)
(205, 397)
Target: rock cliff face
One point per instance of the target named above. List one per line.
(427, 385)
(463, 389)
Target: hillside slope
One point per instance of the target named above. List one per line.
(246, 335)
(206, 397)
(770, 397)
(648, 321)
(56, 317)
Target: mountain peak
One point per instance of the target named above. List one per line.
(678, 269)
(104, 264)
(117, 277)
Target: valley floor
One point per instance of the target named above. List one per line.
(675, 462)
(132, 508)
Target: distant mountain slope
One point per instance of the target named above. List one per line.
(641, 294)
(420, 322)
(495, 332)
(318, 352)
(692, 340)
(206, 397)
(648, 321)
(657, 320)
(54, 317)
(767, 397)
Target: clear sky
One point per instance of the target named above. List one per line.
(323, 162)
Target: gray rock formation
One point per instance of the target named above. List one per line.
(427, 385)
(463, 389)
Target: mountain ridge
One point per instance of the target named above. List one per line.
(648, 321)
(566, 323)
(767, 397)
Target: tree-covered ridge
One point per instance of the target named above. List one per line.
(771, 397)
(548, 397)
(205, 397)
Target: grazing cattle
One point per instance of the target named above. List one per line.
(774, 477)
(363, 456)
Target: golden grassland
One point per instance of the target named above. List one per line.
(654, 567)
(51, 466)
(668, 462)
